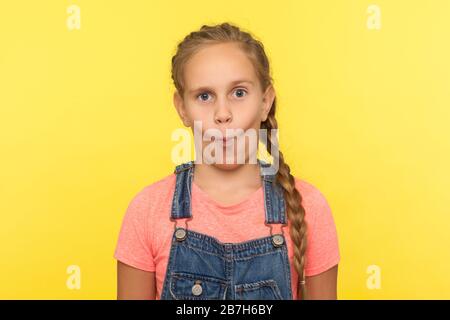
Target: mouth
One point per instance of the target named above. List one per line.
(227, 141)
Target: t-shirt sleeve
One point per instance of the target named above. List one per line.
(322, 250)
(134, 242)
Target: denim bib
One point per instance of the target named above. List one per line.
(200, 267)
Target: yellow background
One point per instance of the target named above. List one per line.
(86, 118)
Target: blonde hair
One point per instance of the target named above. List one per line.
(226, 32)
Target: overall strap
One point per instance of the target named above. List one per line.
(274, 204)
(181, 201)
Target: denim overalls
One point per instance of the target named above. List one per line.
(200, 267)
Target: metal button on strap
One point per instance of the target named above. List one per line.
(197, 289)
(180, 234)
(277, 240)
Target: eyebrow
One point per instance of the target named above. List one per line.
(232, 84)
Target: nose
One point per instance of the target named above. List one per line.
(223, 115)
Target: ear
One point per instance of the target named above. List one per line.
(268, 98)
(180, 107)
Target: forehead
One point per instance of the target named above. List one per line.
(217, 66)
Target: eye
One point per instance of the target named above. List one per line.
(203, 96)
(241, 93)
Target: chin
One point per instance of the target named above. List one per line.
(232, 163)
(228, 166)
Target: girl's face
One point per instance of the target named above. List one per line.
(222, 91)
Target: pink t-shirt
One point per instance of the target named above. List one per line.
(145, 236)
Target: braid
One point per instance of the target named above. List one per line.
(294, 208)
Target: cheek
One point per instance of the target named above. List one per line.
(200, 113)
(249, 115)
(247, 121)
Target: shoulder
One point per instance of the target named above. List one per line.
(159, 188)
(151, 196)
(314, 200)
(322, 251)
(310, 193)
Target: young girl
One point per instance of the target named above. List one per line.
(227, 230)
